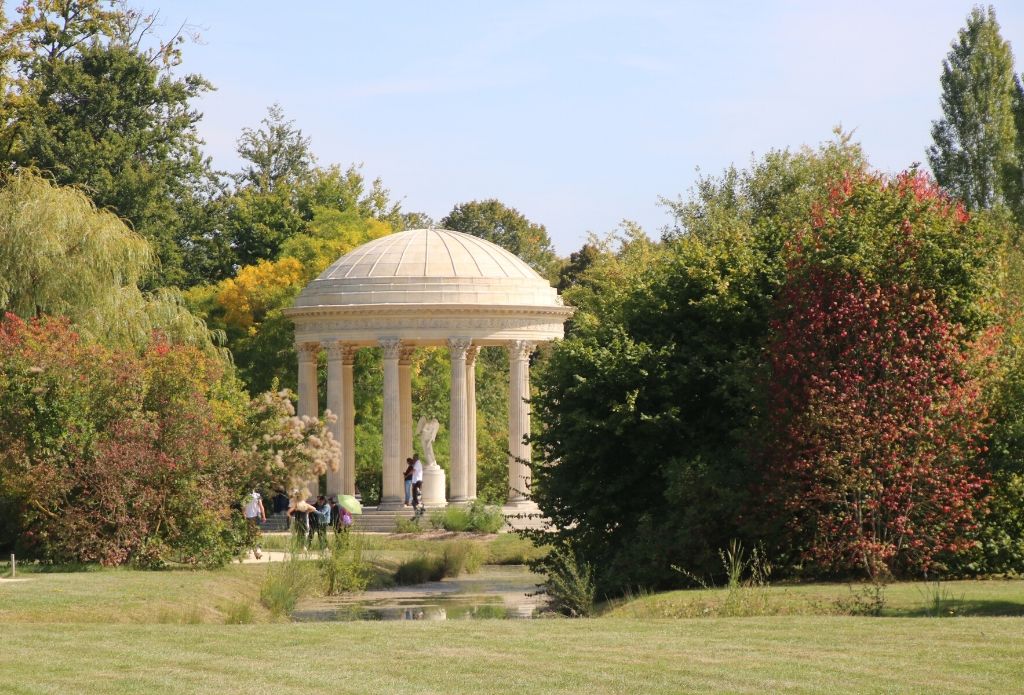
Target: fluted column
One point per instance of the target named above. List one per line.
(307, 395)
(335, 474)
(347, 417)
(391, 489)
(471, 422)
(458, 426)
(519, 474)
(405, 404)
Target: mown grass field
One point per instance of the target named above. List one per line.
(124, 631)
(752, 655)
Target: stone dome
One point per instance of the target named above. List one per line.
(429, 267)
(424, 287)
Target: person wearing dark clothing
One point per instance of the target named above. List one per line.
(319, 520)
(335, 514)
(408, 481)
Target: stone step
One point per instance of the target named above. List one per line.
(374, 520)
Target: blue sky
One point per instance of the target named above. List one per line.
(579, 114)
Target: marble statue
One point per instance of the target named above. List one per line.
(427, 430)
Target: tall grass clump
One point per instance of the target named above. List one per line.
(461, 556)
(284, 584)
(569, 583)
(238, 613)
(342, 568)
(747, 586)
(403, 525)
(939, 601)
(421, 569)
(867, 600)
(746, 583)
(477, 518)
(485, 519)
(451, 519)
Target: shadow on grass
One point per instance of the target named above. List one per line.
(983, 608)
(30, 567)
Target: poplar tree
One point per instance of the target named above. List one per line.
(974, 155)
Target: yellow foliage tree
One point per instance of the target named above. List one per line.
(330, 235)
(248, 297)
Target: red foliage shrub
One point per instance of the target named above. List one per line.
(877, 426)
(110, 456)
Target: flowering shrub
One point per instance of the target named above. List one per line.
(287, 449)
(113, 457)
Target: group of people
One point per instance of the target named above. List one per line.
(413, 482)
(314, 519)
(309, 520)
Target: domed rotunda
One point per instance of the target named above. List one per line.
(424, 287)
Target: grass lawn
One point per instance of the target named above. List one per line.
(901, 599)
(124, 631)
(129, 596)
(777, 654)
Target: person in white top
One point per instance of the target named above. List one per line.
(254, 515)
(417, 481)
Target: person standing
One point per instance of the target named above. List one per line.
(299, 512)
(408, 482)
(417, 481)
(255, 514)
(322, 518)
(335, 514)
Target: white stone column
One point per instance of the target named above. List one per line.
(519, 474)
(391, 488)
(347, 417)
(308, 397)
(335, 355)
(471, 421)
(405, 404)
(458, 425)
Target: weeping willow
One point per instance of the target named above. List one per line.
(61, 256)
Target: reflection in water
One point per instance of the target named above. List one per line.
(493, 593)
(454, 609)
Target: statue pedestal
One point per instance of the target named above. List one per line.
(433, 486)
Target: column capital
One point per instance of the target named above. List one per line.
(337, 350)
(471, 354)
(459, 347)
(392, 347)
(521, 349)
(405, 355)
(308, 351)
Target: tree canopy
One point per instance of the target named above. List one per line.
(653, 408)
(508, 228)
(974, 155)
(90, 98)
(61, 256)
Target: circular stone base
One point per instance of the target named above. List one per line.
(433, 487)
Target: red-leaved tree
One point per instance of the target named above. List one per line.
(876, 357)
(876, 424)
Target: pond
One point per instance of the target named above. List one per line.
(507, 591)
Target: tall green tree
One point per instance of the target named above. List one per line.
(280, 191)
(277, 153)
(650, 405)
(974, 155)
(92, 99)
(508, 228)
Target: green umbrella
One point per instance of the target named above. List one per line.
(350, 503)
